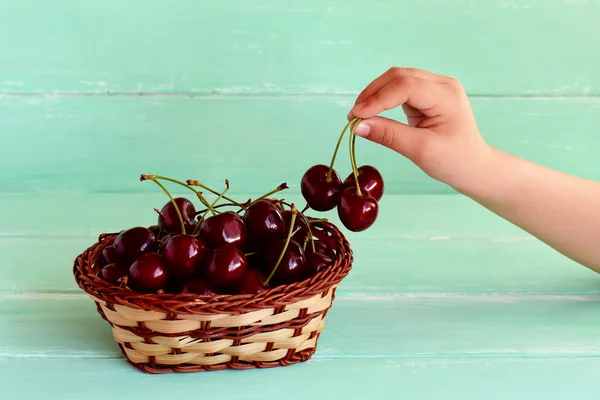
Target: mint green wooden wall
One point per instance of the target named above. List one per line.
(94, 93)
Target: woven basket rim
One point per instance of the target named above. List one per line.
(188, 303)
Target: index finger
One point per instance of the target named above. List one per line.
(424, 95)
(396, 73)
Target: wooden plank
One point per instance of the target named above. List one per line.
(453, 266)
(103, 144)
(264, 46)
(466, 379)
(356, 326)
(420, 244)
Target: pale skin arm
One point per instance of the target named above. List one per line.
(442, 138)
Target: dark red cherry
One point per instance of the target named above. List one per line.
(316, 261)
(276, 203)
(264, 222)
(225, 266)
(292, 267)
(168, 219)
(256, 259)
(369, 179)
(320, 193)
(133, 242)
(324, 237)
(357, 213)
(184, 254)
(198, 286)
(110, 254)
(227, 227)
(300, 229)
(252, 283)
(321, 247)
(113, 273)
(148, 273)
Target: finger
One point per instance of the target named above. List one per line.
(410, 111)
(423, 95)
(394, 135)
(413, 115)
(393, 73)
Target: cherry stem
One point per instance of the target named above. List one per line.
(194, 182)
(251, 254)
(287, 242)
(211, 207)
(317, 220)
(198, 194)
(305, 218)
(352, 142)
(279, 188)
(305, 208)
(220, 206)
(154, 179)
(337, 146)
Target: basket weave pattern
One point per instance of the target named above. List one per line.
(160, 333)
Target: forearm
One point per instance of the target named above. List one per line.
(559, 209)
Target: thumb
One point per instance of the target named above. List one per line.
(404, 139)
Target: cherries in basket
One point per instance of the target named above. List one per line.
(356, 198)
(227, 247)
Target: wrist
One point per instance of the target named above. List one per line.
(483, 174)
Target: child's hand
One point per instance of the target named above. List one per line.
(442, 137)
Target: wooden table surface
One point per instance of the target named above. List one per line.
(445, 300)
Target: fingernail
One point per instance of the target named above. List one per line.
(362, 130)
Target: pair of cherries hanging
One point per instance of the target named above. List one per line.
(356, 198)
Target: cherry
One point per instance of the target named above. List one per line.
(292, 267)
(110, 255)
(357, 212)
(369, 179)
(264, 222)
(255, 259)
(316, 261)
(227, 227)
(184, 254)
(169, 220)
(225, 266)
(133, 242)
(198, 286)
(113, 273)
(276, 203)
(300, 230)
(148, 273)
(320, 247)
(252, 283)
(321, 192)
(325, 238)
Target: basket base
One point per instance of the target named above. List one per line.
(296, 358)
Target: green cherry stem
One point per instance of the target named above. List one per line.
(352, 142)
(194, 182)
(155, 180)
(211, 208)
(197, 193)
(309, 234)
(220, 206)
(287, 242)
(279, 188)
(337, 146)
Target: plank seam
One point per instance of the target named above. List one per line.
(213, 95)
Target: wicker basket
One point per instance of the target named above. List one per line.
(190, 333)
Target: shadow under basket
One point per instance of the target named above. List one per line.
(160, 333)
